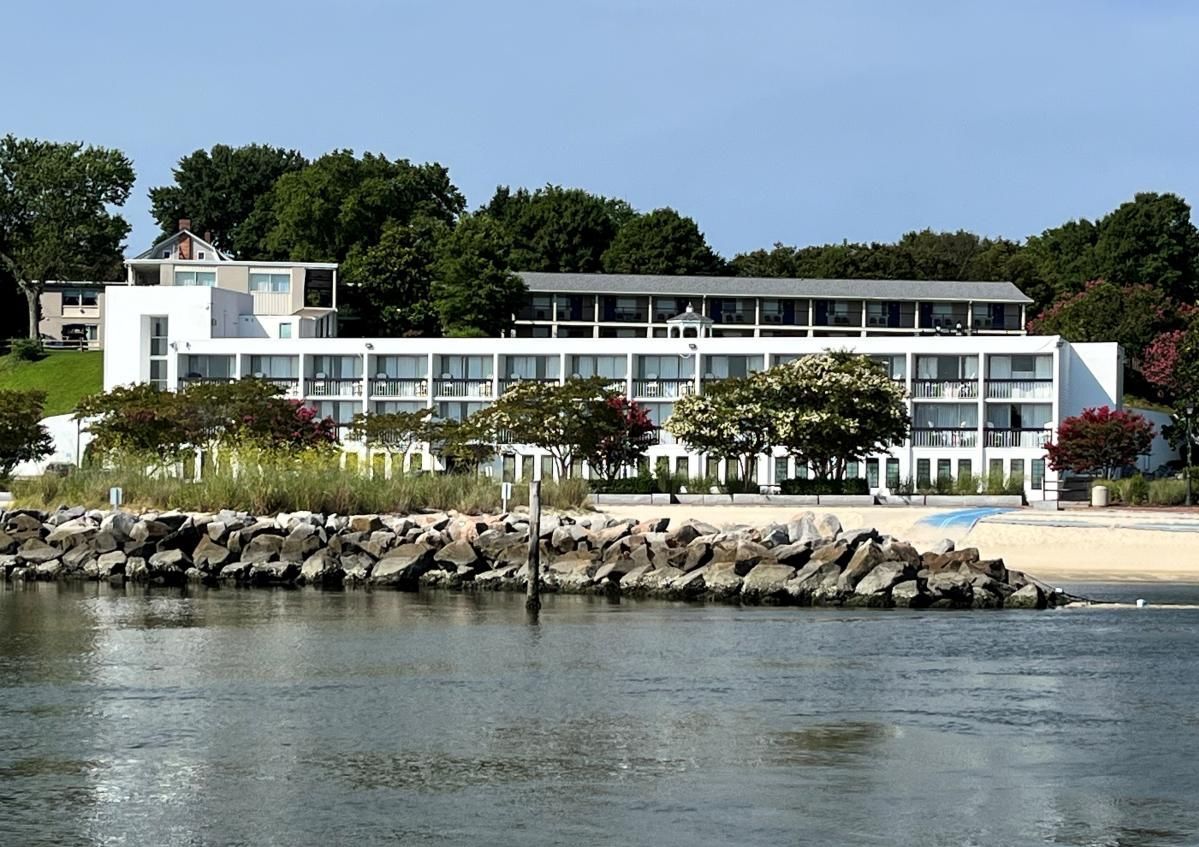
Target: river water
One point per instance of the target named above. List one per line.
(256, 717)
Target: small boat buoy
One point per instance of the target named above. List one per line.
(1140, 603)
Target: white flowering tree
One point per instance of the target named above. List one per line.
(833, 408)
(733, 419)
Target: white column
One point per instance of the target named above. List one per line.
(981, 450)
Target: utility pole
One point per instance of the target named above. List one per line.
(533, 592)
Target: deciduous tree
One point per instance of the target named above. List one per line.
(734, 419)
(23, 438)
(474, 289)
(56, 213)
(661, 242)
(1100, 440)
(1132, 315)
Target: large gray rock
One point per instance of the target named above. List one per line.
(774, 535)
(168, 566)
(34, 552)
(458, 554)
(210, 556)
(365, 523)
(301, 542)
(403, 566)
(120, 525)
(950, 588)
(1028, 597)
(356, 567)
(136, 569)
(278, 571)
(149, 531)
(111, 563)
(796, 555)
(767, 582)
(22, 526)
(881, 578)
(262, 549)
(907, 595)
(612, 534)
(838, 553)
(857, 537)
(321, 568)
(863, 561)
(723, 582)
(828, 526)
(945, 545)
(749, 555)
(71, 534)
(687, 531)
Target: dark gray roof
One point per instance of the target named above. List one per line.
(752, 286)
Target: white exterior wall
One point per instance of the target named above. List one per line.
(1084, 375)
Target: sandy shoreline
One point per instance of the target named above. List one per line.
(1104, 547)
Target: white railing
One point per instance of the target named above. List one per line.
(940, 389)
(329, 387)
(406, 386)
(1020, 389)
(1027, 438)
(455, 387)
(945, 437)
(666, 388)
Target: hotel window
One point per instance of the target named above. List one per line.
(944, 469)
(923, 473)
(965, 468)
(285, 330)
(853, 470)
(780, 468)
(158, 351)
(547, 468)
(995, 468)
(1017, 469)
(1038, 474)
(682, 467)
(274, 282)
(892, 474)
(78, 298)
(872, 473)
(713, 468)
(206, 278)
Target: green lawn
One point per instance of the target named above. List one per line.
(65, 376)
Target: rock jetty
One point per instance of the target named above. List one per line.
(809, 561)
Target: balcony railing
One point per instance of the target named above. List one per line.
(505, 384)
(403, 386)
(665, 388)
(206, 380)
(455, 387)
(289, 385)
(942, 389)
(945, 437)
(333, 387)
(617, 384)
(1029, 438)
(1020, 389)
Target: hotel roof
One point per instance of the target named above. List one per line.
(749, 286)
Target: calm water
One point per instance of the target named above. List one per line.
(306, 718)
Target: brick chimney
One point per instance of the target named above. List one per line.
(185, 223)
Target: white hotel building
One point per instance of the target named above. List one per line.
(983, 395)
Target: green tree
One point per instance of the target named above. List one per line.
(461, 445)
(388, 284)
(56, 218)
(340, 201)
(578, 418)
(218, 190)
(734, 419)
(474, 289)
(834, 407)
(393, 432)
(140, 419)
(1062, 258)
(557, 229)
(1151, 240)
(22, 436)
(661, 242)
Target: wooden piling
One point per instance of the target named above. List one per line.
(533, 591)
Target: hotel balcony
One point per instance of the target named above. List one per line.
(945, 437)
(667, 389)
(940, 389)
(405, 386)
(463, 388)
(320, 386)
(289, 385)
(1019, 389)
(505, 384)
(1029, 438)
(205, 380)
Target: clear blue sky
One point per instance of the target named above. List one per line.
(765, 120)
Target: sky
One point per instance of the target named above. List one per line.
(765, 120)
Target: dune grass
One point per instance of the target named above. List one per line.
(65, 376)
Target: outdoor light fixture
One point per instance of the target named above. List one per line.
(1190, 413)
(370, 346)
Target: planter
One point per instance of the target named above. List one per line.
(718, 499)
(901, 500)
(1001, 501)
(845, 499)
(661, 499)
(690, 499)
(750, 499)
(620, 499)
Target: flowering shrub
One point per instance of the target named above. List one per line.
(1100, 440)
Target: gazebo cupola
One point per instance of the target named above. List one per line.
(689, 324)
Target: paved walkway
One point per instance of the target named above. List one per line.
(1102, 519)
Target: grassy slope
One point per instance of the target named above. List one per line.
(65, 376)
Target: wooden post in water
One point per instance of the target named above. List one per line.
(533, 592)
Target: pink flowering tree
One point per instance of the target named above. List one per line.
(1133, 315)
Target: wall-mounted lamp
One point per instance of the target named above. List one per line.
(370, 346)
(692, 347)
(174, 345)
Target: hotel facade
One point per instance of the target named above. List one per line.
(984, 396)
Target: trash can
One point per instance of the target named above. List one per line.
(1099, 496)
